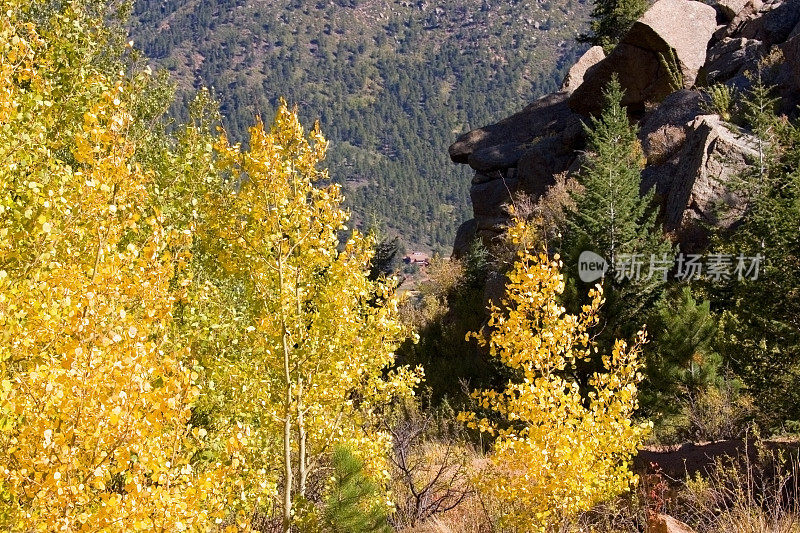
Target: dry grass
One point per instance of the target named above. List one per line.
(746, 494)
(754, 491)
(469, 517)
(736, 486)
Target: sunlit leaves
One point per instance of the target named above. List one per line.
(169, 312)
(96, 394)
(559, 448)
(310, 338)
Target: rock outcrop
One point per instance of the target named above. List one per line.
(660, 523)
(574, 77)
(729, 9)
(731, 57)
(546, 116)
(789, 79)
(692, 155)
(639, 60)
(522, 153)
(774, 22)
(695, 182)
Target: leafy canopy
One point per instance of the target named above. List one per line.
(311, 337)
(96, 392)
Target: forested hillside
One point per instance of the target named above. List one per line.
(392, 84)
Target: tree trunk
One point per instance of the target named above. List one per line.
(287, 408)
(301, 431)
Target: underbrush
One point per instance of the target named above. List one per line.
(753, 491)
(756, 492)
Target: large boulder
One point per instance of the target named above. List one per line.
(464, 237)
(519, 154)
(729, 9)
(549, 157)
(697, 183)
(544, 117)
(776, 25)
(734, 28)
(574, 77)
(637, 60)
(489, 199)
(663, 131)
(498, 157)
(731, 57)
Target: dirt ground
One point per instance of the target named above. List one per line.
(687, 459)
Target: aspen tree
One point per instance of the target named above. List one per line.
(320, 335)
(558, 449)
(96, 394)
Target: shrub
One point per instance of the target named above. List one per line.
(559, 448)
(720, 100)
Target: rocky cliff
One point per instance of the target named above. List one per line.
(672, 52)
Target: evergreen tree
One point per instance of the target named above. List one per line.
(612, 219)
(611, 20)
(760, 323)
(384, 261)
(351, 505)
(681, 359)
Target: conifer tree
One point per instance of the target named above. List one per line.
(681, 359)
(612, 219)
(350, 504)
(760, 322)
(611, 21)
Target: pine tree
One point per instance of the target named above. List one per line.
(611, 21)
(350, 504)
(384, 259)
(612, 219)
(681, 359)
(760, 322)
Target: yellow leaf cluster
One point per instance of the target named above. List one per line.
(184, 334)
(96, 394)
(559, 449)
(310, 338)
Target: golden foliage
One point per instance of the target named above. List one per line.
(315, 337)
(559, 449)
(95, 395)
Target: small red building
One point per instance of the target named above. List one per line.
(417, 258)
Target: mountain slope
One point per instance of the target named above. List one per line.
(392, 82)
